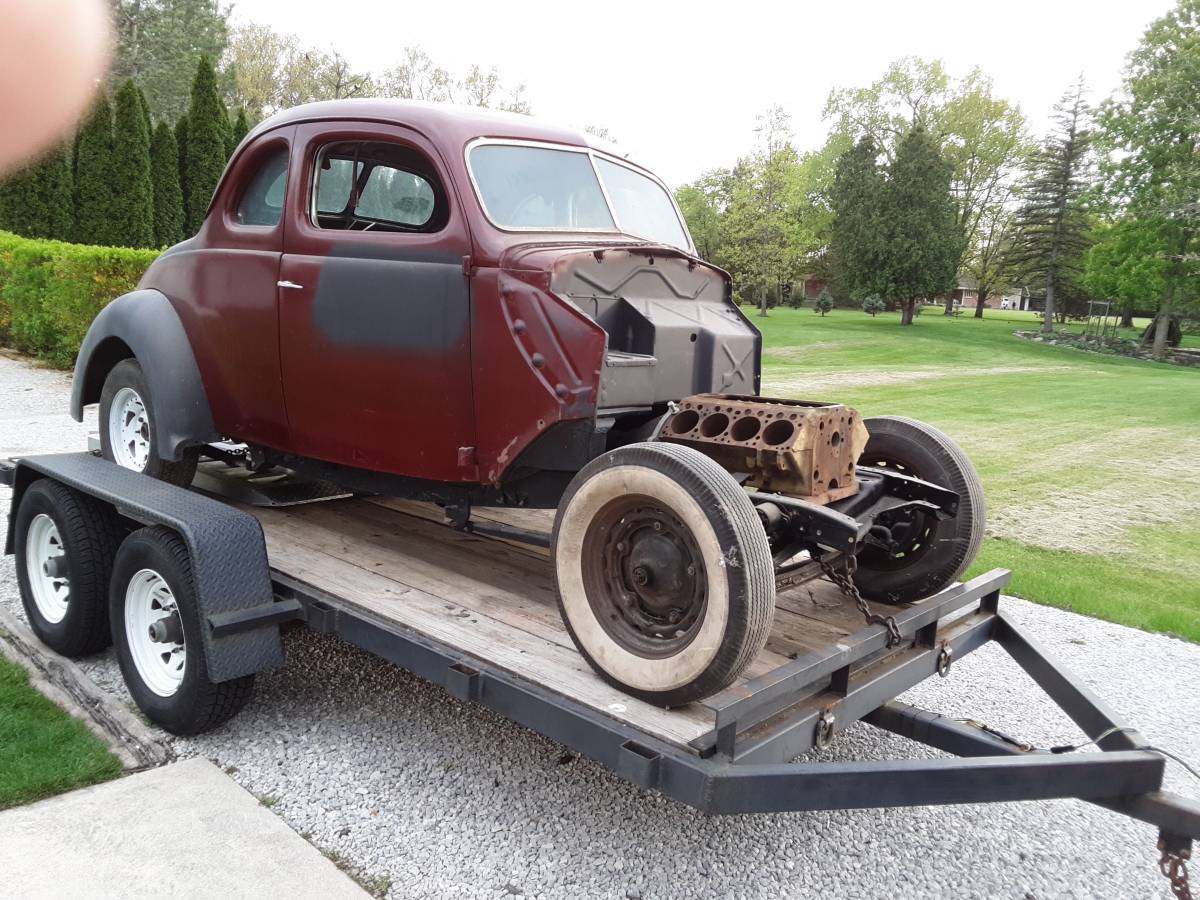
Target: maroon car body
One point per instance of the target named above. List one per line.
(442, 353)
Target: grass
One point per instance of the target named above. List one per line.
(43, 751)
(1085, 458)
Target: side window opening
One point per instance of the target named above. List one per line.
(262, 200)
(377, 186)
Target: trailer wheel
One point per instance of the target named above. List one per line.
(65, 542)
(127, 430)
(665, 578)
(156, 634)
(933, 554)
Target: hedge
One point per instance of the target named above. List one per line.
(50, 291)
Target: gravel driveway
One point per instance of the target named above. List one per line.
(447, 799)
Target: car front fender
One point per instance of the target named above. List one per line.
(143, 324)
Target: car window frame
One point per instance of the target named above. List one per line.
(592, 154)
(440, 194)
(256, 162)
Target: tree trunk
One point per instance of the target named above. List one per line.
(980, 300)
(1048, 313)
(762, 299)
(906, 311)
(949, 310)
(1127, 317)
(1162, 323)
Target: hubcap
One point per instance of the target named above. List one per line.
(129, 430)
(643, 577)
(46, 563)
(154, 631)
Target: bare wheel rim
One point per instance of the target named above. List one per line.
(129, 430)
(914, 533)
(644, 577)
(154, 632)
(46, 565)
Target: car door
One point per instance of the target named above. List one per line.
(225, 283)
(374, 304)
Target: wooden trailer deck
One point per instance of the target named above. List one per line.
(495, 600)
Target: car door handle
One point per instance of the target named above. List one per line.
(289, 284)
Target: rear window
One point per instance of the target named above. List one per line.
(262, 200)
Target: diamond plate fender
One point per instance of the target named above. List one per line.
(229, 556)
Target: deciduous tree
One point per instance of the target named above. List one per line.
(1152, 133)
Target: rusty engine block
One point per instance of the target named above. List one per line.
(796, 447)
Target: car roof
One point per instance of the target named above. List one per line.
(445, 123)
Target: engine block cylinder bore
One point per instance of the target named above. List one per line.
(801, 448)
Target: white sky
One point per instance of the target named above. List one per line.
(679, 84)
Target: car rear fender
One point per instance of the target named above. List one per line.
(143, 324)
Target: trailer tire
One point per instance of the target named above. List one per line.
(665, 578)
(53, 522)
(153, 588)
(944, 549)
(127, 405)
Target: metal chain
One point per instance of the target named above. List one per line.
(843, 579)
(1173, 864)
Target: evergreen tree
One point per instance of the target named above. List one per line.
(133, 202)
(145, 107)
(922, 238)
(208, 127)
(1051, 237)
(824, 302)
(855, 235)
(168, 198)
(36, 201)
(241, 127)
(93, 176)
(181, 141)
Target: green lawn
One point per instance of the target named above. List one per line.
(43, 751)
(1087, 459)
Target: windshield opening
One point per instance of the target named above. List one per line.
(528, 187)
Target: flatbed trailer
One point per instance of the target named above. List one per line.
(474, 610)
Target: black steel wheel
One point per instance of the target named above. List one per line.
(156, 636)
(665, 578)
(927, 555)
(64, 543)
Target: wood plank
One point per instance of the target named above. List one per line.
(555, 667)
(398, 559)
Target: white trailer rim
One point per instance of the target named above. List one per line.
(129, 430)
(45, 563)
(160, 665)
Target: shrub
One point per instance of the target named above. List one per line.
(873, 305)
(51, 291)
(824, 302)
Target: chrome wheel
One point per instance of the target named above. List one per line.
(129, 430)
(46, 563)
(154, 630)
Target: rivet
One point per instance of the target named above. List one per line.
(538, 360)
(519, 326)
